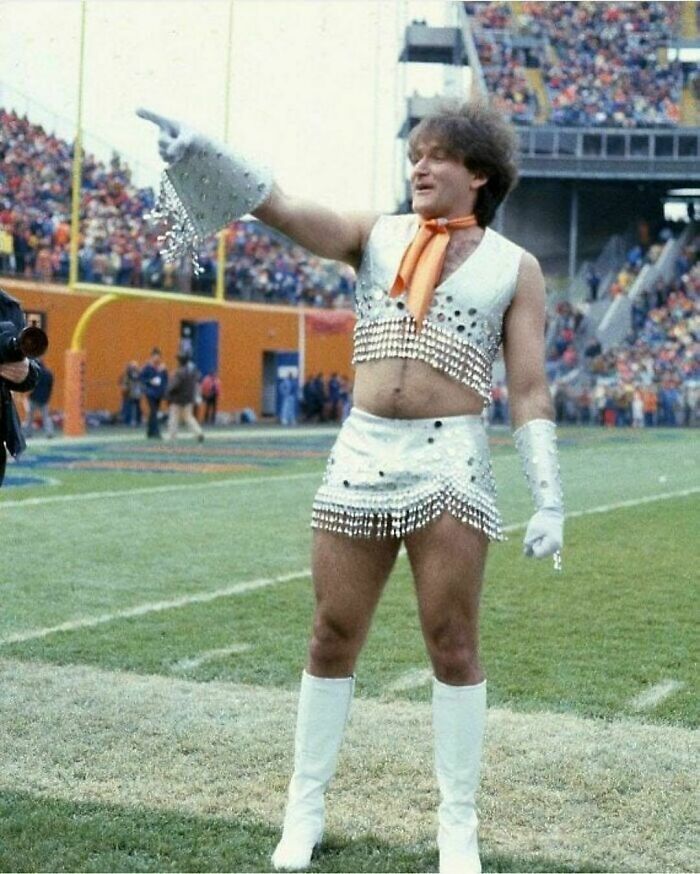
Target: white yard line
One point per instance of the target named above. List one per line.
(413, 679)
(210, 655)
(148, 743)
(154, 607)
(155, 490)
(238, 588)
(653, 696)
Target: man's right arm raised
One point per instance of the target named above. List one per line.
(323, 231)
(238, 186)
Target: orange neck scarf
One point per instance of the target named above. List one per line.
(421, 264)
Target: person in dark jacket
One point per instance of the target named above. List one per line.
(154, 378)
(15, 376)
(181, 395)
(39, 402)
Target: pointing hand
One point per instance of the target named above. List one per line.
(174, 138)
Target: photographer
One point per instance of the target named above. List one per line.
(14, 376)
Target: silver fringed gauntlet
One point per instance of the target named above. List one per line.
(536, 444)
(207, 186)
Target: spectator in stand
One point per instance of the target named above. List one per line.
(593, 285)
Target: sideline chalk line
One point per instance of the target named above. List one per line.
(246, 586)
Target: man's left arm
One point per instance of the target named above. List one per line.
(532, 415)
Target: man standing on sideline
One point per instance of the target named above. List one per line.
(130, 383)
(288, 405)
(438, 291)
(154, 379)
(39, 402)
(181, 395)
(210, 389)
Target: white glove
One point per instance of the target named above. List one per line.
(175, 138)
(545, 533)
(536, 443)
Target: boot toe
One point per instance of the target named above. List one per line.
(293, 854)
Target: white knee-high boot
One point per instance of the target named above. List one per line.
(459, 719)
(324, 705)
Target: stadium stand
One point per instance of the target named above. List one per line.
(657, 366)
(504, 66)
(602, 64)
(118, 247)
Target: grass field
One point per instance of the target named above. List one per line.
(156, 602)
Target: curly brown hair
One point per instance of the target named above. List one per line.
(484, 140)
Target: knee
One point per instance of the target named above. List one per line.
(454, 653)
(333, 647)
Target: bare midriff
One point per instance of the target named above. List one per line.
(402, 388)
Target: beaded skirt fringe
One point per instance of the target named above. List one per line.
(378, 524)
(389, 477)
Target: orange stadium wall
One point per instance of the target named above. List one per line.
(128, 328)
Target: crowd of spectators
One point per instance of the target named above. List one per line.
(600, 62)
(654, 376)
(502, 64)
(118, 247)
(607, 70)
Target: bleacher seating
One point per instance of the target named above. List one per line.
(603, 63)
(118, 247)
(658, 365)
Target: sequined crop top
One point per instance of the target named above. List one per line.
(461, 334)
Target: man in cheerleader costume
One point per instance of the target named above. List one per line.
(438, 292)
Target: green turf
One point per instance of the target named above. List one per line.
(38, 834)
(618, 620)
(584, 641)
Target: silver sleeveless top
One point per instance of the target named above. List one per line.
(461, 333)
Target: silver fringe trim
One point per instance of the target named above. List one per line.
(399, 338)
(180, 239)
(368, 522)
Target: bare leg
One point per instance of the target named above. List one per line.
(349, 575)
(448, 560)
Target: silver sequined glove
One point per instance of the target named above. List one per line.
(174, 138)
(536, 444)
(206, 186)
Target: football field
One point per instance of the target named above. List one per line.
(156, 604)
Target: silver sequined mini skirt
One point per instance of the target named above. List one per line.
(388, 477)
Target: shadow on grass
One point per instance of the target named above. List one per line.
(46, 834)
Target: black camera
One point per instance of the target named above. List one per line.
(31, 342)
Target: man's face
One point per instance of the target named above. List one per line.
(440, 183)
